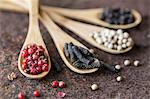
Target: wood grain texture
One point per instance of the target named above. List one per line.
(135, 85)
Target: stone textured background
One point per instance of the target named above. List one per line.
(136, 85)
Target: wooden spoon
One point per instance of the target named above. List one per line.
(84, 31)
(60, 38)
(91, 15)
(33, 37)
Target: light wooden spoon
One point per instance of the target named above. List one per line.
(91, 15)
(84, 31)
(33, 37)
(60, 38)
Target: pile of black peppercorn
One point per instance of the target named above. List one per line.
(80, 57)
(118, 16)
(83, 59)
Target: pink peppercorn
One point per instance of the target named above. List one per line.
(54, 84)
(30, 51)
(61, 84)
(38, 69)
(32, 70)
(20, 95)
(36, 93)
(24, 53)
(45, 68)
(34, 56)
(24, 66)
(40, 63)
(61, 94)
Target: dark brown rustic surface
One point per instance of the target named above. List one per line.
(136, 85)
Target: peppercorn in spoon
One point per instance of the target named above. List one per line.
(85, 30)
(34, 61)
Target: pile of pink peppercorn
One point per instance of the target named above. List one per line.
(34, 59)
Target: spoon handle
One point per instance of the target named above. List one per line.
(34, 34)
(33, 17)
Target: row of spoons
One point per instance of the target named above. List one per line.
(59, 37)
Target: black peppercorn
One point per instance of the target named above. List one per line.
(117, 16)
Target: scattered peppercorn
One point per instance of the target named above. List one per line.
(61, 94)
(20, 95)
(94, 87)
(118, 16)
(136, 63)
(34, 59)
(119, 78)
(61, 84)
(36, 93)
(127, 62)
(118, 67)
(55, 84)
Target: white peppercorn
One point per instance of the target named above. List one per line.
(129, 39)
(119, 48)
(118, 67)
(112, 32)
(129, 43)
(125, 35)
(136, 63)
(119, 31)
(99, 41)
(106, 44)
(94, 87)
(110, 46)
(119, 78)
(119, 42)
(95, 35)
(127, 62)
(124, 40)
(120, 37)
(104, 39)
(124, 46)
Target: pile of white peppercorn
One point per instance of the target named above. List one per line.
(116, 40)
